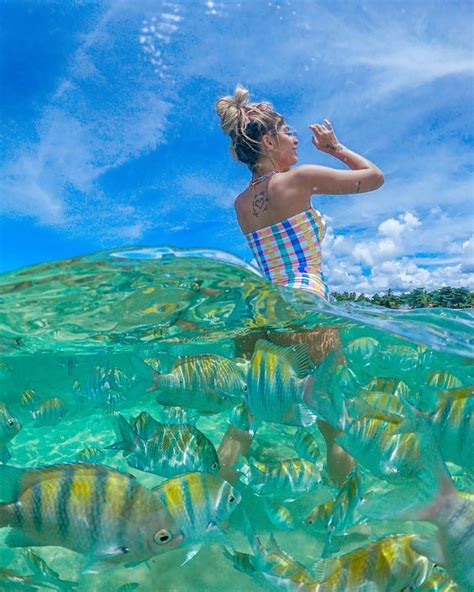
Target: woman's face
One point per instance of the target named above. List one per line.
(285, 146)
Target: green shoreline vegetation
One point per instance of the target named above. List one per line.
(446, 297)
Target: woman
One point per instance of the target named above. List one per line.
(274, 211)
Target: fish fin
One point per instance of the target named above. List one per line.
(329, 548)
(272, 545)
(306, 415)
(190, 554)
(430, 547)
(5, 455)
(135, 563)
(10, 482)
(17, 538)
(297, 356)
(324, 568)
(104, 559)
(129, 439)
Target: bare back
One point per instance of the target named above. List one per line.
(270, 201)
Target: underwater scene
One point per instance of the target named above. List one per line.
(171, 421)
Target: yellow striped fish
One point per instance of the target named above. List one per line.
(380, 447)
(278, 514)
(29, 400)
(389, 565)
(50, 412)
(90, 454)
(307, 447)
(279, 379)
(169, 451)
(343, 513)
(9, 427)
(208, 383)
(44, 574)
(271, 565)
(91, 509)
(198, 503)
(317, 520)
(435, 499)
(439, 581)
(285, 478)
(452, 423)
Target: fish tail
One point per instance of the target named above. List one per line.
(129, 440)
(10, 482)
(250, 473)
(419, 499)
(146, 378)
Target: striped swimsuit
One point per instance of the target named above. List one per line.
(288, 253)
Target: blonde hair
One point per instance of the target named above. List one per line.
(246, 123)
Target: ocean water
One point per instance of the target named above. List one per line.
(70, 329)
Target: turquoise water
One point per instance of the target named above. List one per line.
(72, 329)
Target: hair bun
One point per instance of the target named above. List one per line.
(231, 110)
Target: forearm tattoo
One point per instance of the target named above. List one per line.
(357, 186)
(334, 147)
(260, 203)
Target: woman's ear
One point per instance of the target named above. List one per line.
(267, 141)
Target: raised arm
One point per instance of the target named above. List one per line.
(365, 175)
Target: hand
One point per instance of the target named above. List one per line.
(324, 138)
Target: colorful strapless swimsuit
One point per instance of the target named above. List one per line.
(288, 252)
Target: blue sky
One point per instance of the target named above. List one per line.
(109, 136)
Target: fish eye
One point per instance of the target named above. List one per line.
(162, 537)
(11, 422)
(245, 388)
(214, 465)
(231, 498)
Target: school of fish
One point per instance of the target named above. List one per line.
(402, 517)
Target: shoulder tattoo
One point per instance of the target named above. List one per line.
(260, 203)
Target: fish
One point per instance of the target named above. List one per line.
(377, 405)
(169, 451)
(178, 415)
(343, 510)
(43, 574)
(278, 380)
(103, 514)
(401, 358)
(205, 382)
(9, 428)
(317, 520)
(30, 400)
(144, 425)
(383, 447)
(443, 380)
(12, 580)
(361, 350)
(270, 565)
(388, 386)
(307, 447)
(239, 417)
(389, 564)
(283, 478)
(438, 581)
(452, 423)
(199, 503)
(104, 387)
(50, 412)
(434, 498)
(128, 587)
(278, 514)
(90, 455)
